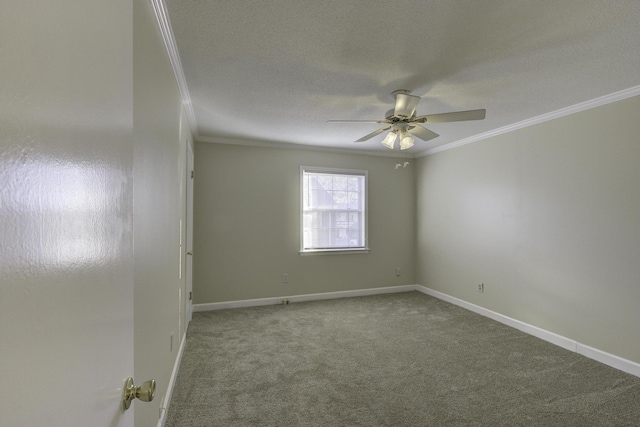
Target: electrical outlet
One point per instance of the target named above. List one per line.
(481, 287)
(285, 278)
(398, 271)
(285, 301)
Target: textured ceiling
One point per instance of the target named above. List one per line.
(276, 71)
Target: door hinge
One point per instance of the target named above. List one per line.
(190, 296)
(191, 174)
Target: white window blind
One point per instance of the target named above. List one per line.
(333, 209)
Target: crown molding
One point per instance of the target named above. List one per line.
(174, 58)
(172, 50)
(587, 105)
(292, 146)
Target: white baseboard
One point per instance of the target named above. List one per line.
(172, 380)
(301, 298)
(236, 304)
(612, 360)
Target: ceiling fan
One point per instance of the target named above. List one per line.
(403, 122)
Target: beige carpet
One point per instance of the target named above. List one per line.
(387, 360)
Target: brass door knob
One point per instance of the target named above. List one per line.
(145, 392)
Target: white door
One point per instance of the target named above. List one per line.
(66, 281)
(189, 239)
(66, 206)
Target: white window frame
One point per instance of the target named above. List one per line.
(341, 250)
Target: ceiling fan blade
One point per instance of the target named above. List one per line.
(457, 116)
(372, 134)
(406, 105)
(422, 133)
(359, 121)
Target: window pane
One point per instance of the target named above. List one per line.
(353, 200)
(340, 238)
(354, 238)
(354, 183)
(340, 183)
(320, 199)
(318, 220)
(340, 200)
(321, 238)
(324, 181)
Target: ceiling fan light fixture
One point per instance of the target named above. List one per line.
(390, 140)
(406, 140)
(406, 143)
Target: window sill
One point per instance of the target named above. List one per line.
(334, 251)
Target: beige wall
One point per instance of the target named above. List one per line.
(247, 225)
(158, 206)
(548, 218)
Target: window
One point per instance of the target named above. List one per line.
(334, 210)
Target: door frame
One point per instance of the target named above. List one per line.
(188, 309)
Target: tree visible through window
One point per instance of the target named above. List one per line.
(333, 209)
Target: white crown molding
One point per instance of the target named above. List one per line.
(292, 146)
(174, 57)
(597, 102)
(593, 103)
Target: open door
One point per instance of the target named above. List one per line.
(66, 209)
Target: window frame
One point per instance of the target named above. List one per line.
(365, 209)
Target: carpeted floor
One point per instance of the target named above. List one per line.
(402, 359)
